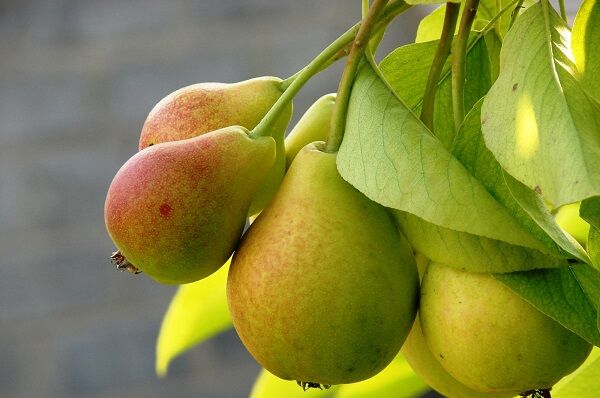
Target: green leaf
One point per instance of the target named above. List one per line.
(522, 203)
(406, 70)
(396, 380)
(593, 246)
(430, 27)
(584, 382)
(197, 312)
(590, 212)
(586, 36)
(537, 120)
(392, 158)
(467, 251)
(557, 293)
(269, 386)
(589, 280)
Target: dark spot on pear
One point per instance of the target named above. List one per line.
(514, 88)
(165, 210)
(441, 356)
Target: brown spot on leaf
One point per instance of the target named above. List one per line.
(538, 190)
(514, 88)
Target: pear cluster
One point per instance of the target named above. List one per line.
(323, 287)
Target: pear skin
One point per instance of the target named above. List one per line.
(568, 218)
(313, 126)
(200, 108)
(489, 338)
(176, 210)
(424, 364)
(322, 288)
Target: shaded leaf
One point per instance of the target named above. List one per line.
(537, 120)
(197, 312)
(590, 212)
(558, 294)
(467, 251)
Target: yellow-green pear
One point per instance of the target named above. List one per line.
(322, 288)
(489, 338)
(200, 108)
(312, 126)
(424, 364)
(568, 219)
(176, 210)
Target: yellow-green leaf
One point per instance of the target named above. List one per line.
(197, 312)
(269, 386)
(397, 380)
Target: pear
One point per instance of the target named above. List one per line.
(489, 338)
(322, 289)
(200, 108)
(424, 364)
(176, 210)
(312, 126)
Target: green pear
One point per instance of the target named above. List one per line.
(568, 219)
(176, 210)
(204, 107)
(489, 338)
(312, 126)
(322, 288)
(424, 364)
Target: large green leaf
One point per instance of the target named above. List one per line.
(586, 36)
(557, 293)
(584, 382)
(197, 312)
(467, 251)
(537, 120)
(522, 203)
(589, 280)
(392, 158)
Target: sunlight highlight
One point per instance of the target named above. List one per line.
(527, 134)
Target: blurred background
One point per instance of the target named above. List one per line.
(77, 79)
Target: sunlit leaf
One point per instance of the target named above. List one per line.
(396, 380)
(197, 312)
(586, 36)
(537, 120)
(269, 386)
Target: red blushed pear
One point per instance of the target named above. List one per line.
(200, 108)
(333, 297)
(176, 210)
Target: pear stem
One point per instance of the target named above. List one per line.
(441, 54)
(459, 66)
(335, 51)
(338, 117)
